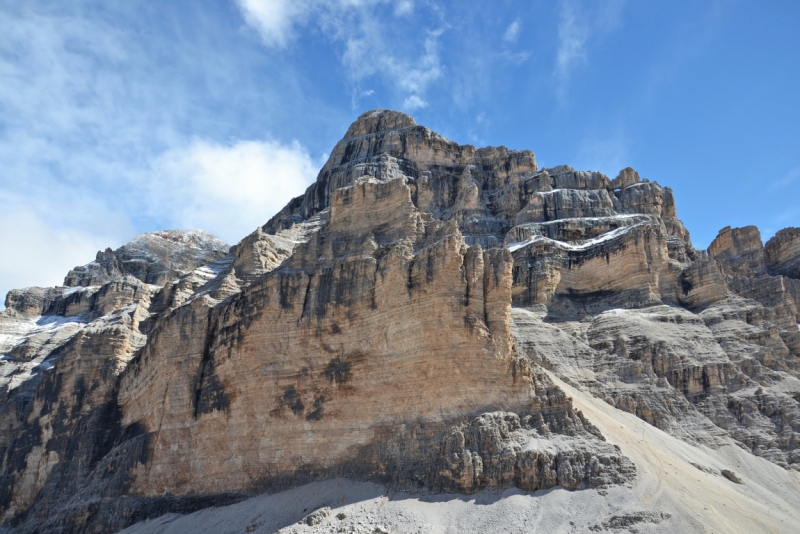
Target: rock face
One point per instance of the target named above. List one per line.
(782, 253)
(152, 258)
(395, 324)
(739, 251)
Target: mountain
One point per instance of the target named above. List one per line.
(429, 321)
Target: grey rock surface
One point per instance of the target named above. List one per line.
(152, 258)
(782, 253)
(427, 318)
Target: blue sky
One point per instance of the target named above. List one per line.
(123, 117)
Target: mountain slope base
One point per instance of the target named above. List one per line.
(669, 494)
(421, 319)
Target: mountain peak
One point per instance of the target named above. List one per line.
(379, 120)
(153, 258)
(430, 316)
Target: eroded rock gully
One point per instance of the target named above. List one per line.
(393, 324)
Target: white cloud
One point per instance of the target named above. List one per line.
(368, 52)
(91, 118)
(414, 102)
(275, 19)
(38, 252)
(512, 32)
(416, 75)
(229, 190)
(403, 8)
(368, 46)
(572, 36)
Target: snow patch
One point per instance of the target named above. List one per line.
(76, 289)
(45, 329)
(585, 245)
(45, 366)
(301, 232)
(593, 219)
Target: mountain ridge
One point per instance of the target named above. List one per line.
(406, 321)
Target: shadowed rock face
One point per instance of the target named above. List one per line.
(782, 253)
(393, 324)
(739, 251)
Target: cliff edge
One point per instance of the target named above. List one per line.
(429, 317)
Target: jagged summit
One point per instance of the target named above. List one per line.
(385, 145)
(379, 120)
(152, 258)
(428, 317)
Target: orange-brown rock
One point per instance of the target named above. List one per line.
(313, 365)
(739, 251)
(394, 324)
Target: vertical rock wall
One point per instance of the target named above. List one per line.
(392, 325)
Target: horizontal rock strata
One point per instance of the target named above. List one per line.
(393, 324)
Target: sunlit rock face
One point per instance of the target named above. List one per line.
(152, 258)
(401, 322)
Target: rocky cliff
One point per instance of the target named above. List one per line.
(412, 320)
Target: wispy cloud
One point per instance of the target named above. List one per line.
(572, 35)
(512, 32)
(578, 23)
(369, 46)
(404, 7)
(93, 144)
(416, 75)
(516, 58)
(414, 102)
(789, 178)
(369, 50)
(275, 20)
(786, 216)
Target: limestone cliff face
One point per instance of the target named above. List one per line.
(394, 324)
(152, 258)
(335, 363)
(782, 253)
(480, 189)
